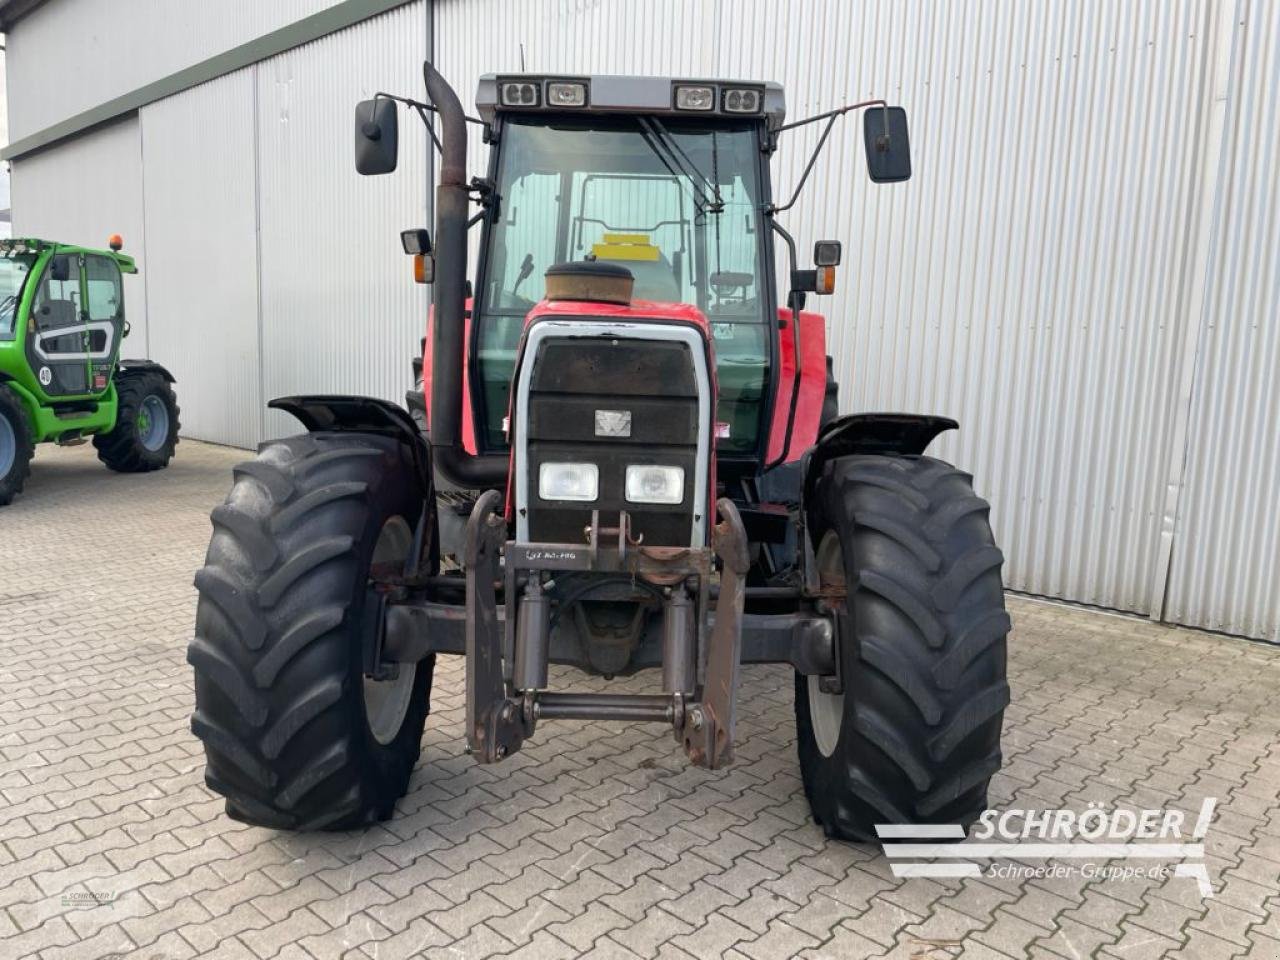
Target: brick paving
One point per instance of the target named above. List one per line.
(595, 839)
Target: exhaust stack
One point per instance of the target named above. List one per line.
(448, 346)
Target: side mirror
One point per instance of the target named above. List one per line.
(60, 269)
(377, 136)
(888, 149)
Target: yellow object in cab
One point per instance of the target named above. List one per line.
(625, 246)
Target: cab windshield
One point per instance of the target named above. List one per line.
(675, 202)
(13, 275)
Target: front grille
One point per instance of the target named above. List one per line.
(652, 380)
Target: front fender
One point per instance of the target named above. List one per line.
(887, 434)
(143, 366)
(330, 413)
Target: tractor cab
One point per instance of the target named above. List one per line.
(62, 307)
(667, 179)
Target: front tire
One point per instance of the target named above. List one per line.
(296, 736)
(16, 445)
(914, 738)
(146, 430)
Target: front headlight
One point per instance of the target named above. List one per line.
(568, 481)
(650, 484)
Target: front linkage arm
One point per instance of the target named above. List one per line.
(500, 716)
(495, 725)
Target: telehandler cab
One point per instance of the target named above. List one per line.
(652, 476)
(62, 323)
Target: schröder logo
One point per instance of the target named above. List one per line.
(1152, 842)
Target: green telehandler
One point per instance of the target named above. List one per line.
(62, 323)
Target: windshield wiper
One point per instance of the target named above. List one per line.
(663, 136)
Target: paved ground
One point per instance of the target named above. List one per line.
(592, 840)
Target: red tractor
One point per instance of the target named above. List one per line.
(644, 469)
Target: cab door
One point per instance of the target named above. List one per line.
(57, 347)
(104, 317)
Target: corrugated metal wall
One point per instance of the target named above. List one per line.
(1226, 545)
(278, 268)
(340, 310)
(202, 258)
(70, 55)
(1026, 281)
(84, 192)
(1083, 269)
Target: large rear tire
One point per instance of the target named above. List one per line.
(296, 736)
(914, 737)
(16, 445)
(146, 429)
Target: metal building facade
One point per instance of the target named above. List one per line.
(1084, 269)
(1226, 536)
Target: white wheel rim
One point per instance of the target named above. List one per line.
(826, 710)
(386, 702)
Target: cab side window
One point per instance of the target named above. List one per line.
(57, 301)
(102, 280)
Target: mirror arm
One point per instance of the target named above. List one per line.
(809, 166)
(831, 116)
(837, 112)
(421, 109)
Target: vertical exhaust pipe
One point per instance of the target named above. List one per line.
(448, 328)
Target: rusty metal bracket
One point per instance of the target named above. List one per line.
(708, 728)
(495, 727)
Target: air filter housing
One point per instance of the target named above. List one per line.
(590, 280)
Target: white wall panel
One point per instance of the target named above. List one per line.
(84, 190)
(1226, 545)
(340, 310)
(69, 55)
(200, 201)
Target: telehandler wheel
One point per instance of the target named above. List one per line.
(146, 429)
(915, 735)
(296, 735)
(16, 447)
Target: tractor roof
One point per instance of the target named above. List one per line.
(22, 245)
(614, 94)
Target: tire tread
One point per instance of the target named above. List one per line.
(275, 692)
(925, 675)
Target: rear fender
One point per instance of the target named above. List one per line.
(331, 413)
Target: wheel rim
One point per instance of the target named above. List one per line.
(153, 423)
(826, 710)
(386, 702)
(8, 446)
